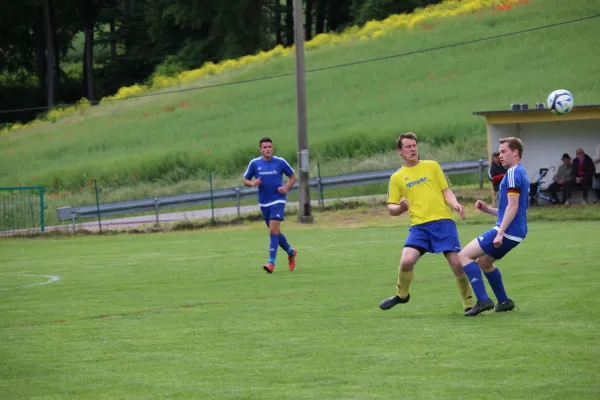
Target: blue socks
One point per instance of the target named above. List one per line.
(283, 243)
(495, 280)
(278, 240)
(476, 279)
(273, 248)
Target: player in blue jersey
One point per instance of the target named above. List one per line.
(510, 230)
(268, 171)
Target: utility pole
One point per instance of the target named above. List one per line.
(305, 212)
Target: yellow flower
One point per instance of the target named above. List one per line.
(377, 34)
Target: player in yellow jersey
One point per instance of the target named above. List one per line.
(422, 189)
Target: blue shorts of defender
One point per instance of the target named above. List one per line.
(434, 237)
(486, 241)
(275, 212)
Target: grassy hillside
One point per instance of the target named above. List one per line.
(355, 112)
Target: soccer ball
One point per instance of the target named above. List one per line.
(560, 102)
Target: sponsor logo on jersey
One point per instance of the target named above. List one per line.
(268, 172)
(417, 182)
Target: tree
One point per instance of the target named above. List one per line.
(320, 18)
(338, 14)
(309, 18)
(243, 24)
(40, 51)
(49, 30)
(16, 41)
(91, 10)
(289, 22)
(146, 36)
(277, 6)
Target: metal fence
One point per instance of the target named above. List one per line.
(94, 213)
(21, 209)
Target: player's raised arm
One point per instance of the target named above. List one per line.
(483, 207)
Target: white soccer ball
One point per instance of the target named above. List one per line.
(560, 102)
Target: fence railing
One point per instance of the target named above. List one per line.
(21, 208)
(238, 193)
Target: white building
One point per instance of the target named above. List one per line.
(546, 136)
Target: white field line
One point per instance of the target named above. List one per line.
(51, 279)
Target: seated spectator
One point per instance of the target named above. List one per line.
(583, 172)
(496, 172)
(561, 180)
(596, 184)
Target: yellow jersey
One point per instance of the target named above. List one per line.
(422, 186)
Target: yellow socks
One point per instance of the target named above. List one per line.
(466, 293)
(404, 280)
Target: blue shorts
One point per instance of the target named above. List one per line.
(434, 237)
(486, 241)
(275, 212)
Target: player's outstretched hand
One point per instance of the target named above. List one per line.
(480, 205)
(257, 182)
(498, 240)
(282, 189)
(403, 205)
(460, 209)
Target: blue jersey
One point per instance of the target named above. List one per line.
(515, 182)
(271, 177)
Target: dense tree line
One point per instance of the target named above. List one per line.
(107, 44)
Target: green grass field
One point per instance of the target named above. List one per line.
(354, 113)
(192, 315)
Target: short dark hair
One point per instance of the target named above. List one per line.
(496, 154)
(567, 156)
(407, 135)
(264, 140)
(513, 144)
